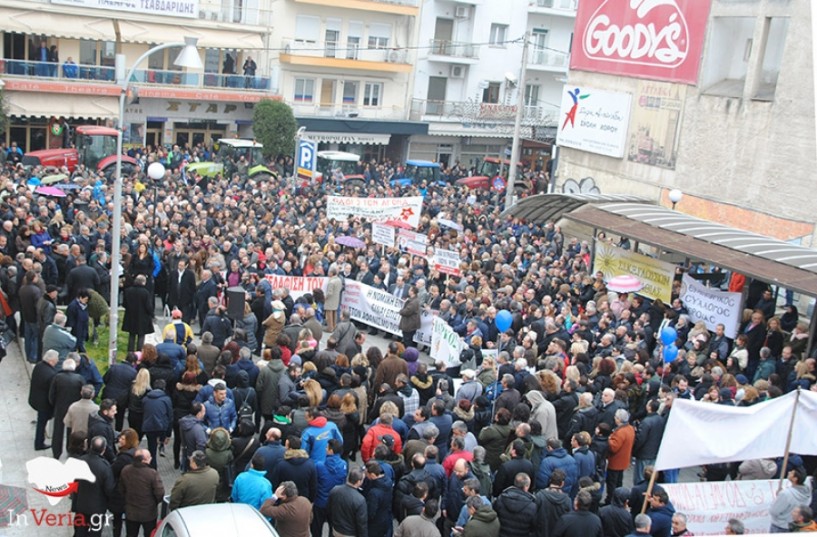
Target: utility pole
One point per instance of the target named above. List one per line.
(517, 127)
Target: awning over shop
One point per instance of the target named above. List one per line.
(349, 138)
(32, 21)
(151, 33)
(35, 104)
(360, 127)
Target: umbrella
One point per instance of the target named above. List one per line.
(67, 186)
(449, 224)
(56, 178)
(50, 191)
(351, 242)
(624, 284)
(398, 224)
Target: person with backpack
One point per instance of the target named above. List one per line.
(246, 399)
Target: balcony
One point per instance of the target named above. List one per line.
(394, 7)
(475, 113)
(336, 55)
(301, 109)
(96, 74)
(441, 50)
(563, 8)
(548, 60)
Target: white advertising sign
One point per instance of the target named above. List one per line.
(446, 344)
(593, 120)
(381, 310)
(169, 8)
(709, 505)
(382, 234)
(656, 275)
(712, 306)
(412, 242)
(297, 285)
(406, 209)
(447, 261)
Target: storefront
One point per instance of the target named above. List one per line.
(368, 138)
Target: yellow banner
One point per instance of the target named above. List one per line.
(656, 275)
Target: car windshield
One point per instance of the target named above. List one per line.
(94, 148)
(490, 169)
(253, 155)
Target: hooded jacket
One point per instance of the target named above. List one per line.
(300, 469)
(378, 505)
(516, 510)
(551, 504)
(252, 487)
(316, 436)
(558, 458)
(192, 434)
(484, 523)
(331, 472)
(786, 501)
(544, 412)
(266, 386)
(157, 413)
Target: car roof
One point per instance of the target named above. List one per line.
(237, 142)
(339, 155)
(423, 163)
(223, 519)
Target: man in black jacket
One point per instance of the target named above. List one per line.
(581, 522)
(181, 290)
(516, 508)
(348, 514)
(647, 440)
(101, 425)
(65, 390)
(41, 378)
(616, 519)
(138, 320)
(507, 473)
(551, 504)
(92, 498)
(206, 289)
(118, 380)
(29, 294)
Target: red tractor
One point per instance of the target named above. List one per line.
(492, 175)
(95, 147)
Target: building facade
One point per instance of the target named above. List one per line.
(468, 72)
(735, 132)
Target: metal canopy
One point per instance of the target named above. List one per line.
(546, 207)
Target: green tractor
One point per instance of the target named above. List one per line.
(230, 150)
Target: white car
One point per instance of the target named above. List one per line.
(222, 519)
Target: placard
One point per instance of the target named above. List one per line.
(446, 344)
(377, 308)
(412, 242)
(656, 275)
(406, 209)
(594, 120)
(712, 306)
(382, 234)
(297, 285)
(447, 262)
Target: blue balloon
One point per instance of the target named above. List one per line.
(503, 320)
(668, 335)
(670, 353)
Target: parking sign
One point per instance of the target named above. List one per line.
(307, 159)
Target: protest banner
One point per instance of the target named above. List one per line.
(446, 344)
(656, 275)
(406, 209)
(297, 285)
(412, 242)
(381, 310)
(447, 262)
(712, 306)
(709, 505)
(382, 234)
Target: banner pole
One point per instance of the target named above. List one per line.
(788, 441)
(648, 493)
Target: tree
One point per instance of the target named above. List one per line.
(274, 126)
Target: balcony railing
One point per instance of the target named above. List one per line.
(548, 59)
(348, 111)
(412, 3)
(101, 73)
(558, 5)
(456, 49)
(338, 50)
(468, 112)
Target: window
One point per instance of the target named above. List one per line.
(499, 34)
(307, 29)
(330, 43)
(350, 92)
(379, 35)
(727, 58)
(354, 39)
(531, 95)
(491, 93)
(304, 90)
(371, 93)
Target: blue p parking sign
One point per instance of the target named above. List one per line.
(307, 159)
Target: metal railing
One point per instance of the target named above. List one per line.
(159, 77)
(456, 49)
(548, 58)
(339, 50)
(476, 112)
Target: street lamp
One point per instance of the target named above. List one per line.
(188, 57)
(156, 171)
(675, 196)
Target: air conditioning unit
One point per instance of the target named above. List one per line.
(462, 12)
(457, 71)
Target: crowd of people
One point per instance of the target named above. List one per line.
(285, 407)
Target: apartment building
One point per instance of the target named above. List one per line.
(724, 112)
(468, 71)
(346, 68)
(58, 67)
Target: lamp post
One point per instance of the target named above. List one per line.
(517, 127)
(188, 57)
(675, 196)
(156, 171)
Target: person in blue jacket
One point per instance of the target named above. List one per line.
(220, 410)
(157, 417)
(557, 457)
(315, 437)
(585, 459)
(252, 487)
(331, 473)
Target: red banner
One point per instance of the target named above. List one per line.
(657, 39)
